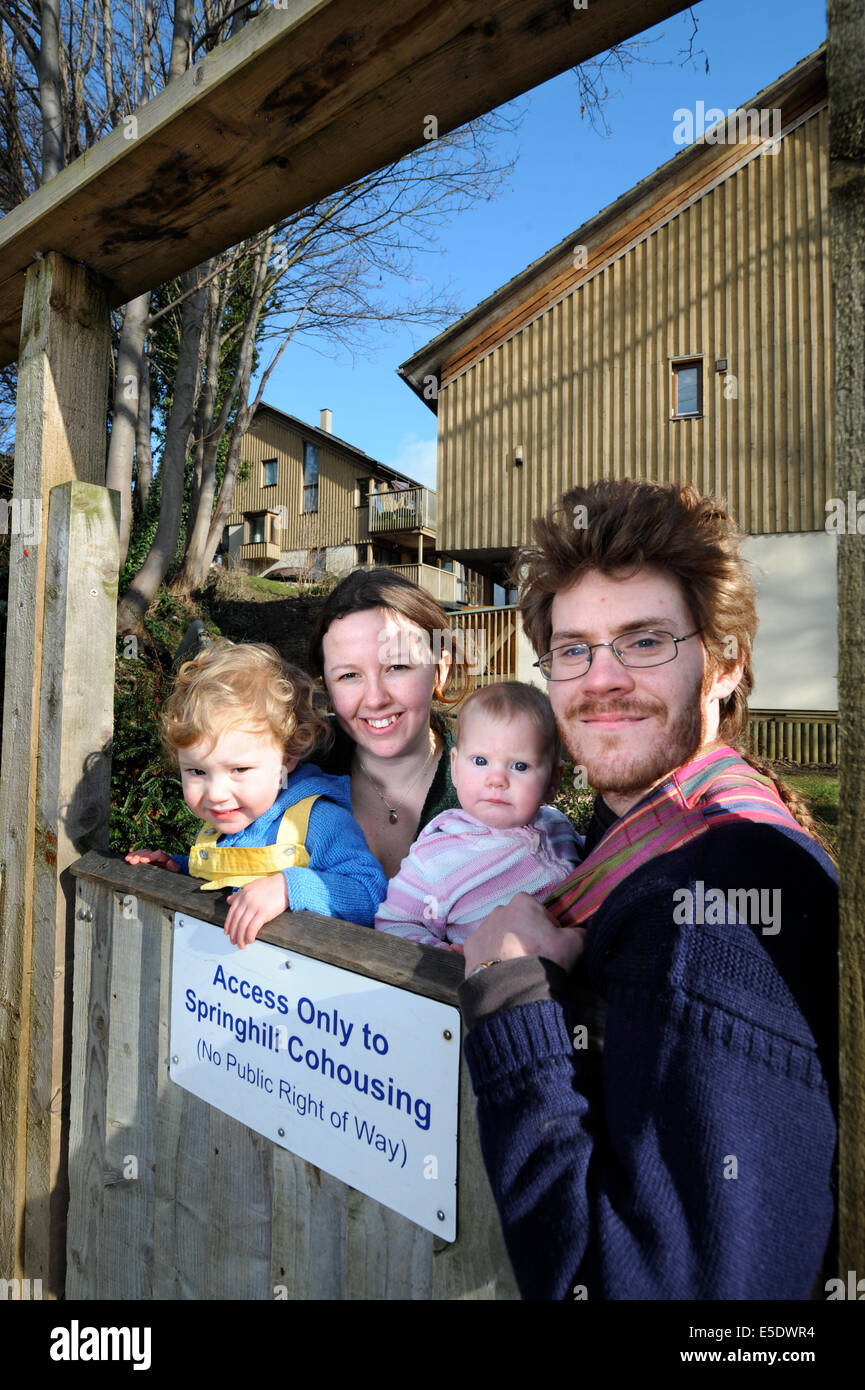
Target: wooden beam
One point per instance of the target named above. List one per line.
(846, 69)
(436, 974)
(306, 98)
(62, 388)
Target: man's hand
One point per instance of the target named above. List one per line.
(523, 928)
(253, 905)
(152, 856)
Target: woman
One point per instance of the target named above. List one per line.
(384, 649)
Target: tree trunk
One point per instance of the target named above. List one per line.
(130, 353)
(49, 90)
(142, 590)
(181, 38)
(206, 403)
(222, 511)
(200, 550)
(143, 451)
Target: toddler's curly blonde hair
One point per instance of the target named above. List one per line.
(243, 686)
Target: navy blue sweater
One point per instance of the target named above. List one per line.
(686, 1151)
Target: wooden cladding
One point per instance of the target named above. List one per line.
(334, 519)
(740, 276)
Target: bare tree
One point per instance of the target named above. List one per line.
(138, 597)
(593, 76)
(72, 69)
(127, 403)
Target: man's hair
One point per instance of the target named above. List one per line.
(245, 686)
(508, 699)
(622, 525)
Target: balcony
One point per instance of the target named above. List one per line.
(260, 550)
(441, 584)
(403, 511)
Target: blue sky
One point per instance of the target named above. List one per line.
(565, 172)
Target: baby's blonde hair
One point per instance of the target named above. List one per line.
(243, 686)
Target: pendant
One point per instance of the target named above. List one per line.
(393, 817)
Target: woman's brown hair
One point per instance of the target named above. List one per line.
(363, 590)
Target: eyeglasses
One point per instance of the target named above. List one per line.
(644, 648)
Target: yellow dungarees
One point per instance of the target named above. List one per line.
(231, 866)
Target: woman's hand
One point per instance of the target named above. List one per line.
(253, 905)
(152, 856)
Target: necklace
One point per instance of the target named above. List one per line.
(392, 811)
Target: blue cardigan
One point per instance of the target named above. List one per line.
(342, 878)
(684, 1150)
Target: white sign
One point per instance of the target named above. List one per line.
(358, 1077)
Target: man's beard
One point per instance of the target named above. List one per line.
(614, 768)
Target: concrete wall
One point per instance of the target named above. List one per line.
(339, 559)
(796, 652)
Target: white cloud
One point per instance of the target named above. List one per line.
(416, 458)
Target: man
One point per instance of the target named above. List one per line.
(683, 1147)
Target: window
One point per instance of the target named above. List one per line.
(361, 491)
(687, 388)
(258, 528)
(310, 478)
(316, 564)
(270, 467)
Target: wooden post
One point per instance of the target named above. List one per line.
(846, 75)
(57, 686)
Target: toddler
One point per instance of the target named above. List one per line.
(238, 721)
(503, 840)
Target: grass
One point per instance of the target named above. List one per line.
(820, 790)
(231, 584)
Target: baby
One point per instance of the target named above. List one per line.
(503, 841)
(238, 721)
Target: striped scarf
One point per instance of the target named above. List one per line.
(716, 788)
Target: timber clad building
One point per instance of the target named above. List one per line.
(312, 504)
(683, 333)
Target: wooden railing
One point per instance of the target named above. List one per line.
(807, 737)
(259, 550)
(171, 1198)
(442, 584)
(409, 509)
(488, 642)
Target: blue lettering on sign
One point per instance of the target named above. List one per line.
(251, 1031)
(233, 985)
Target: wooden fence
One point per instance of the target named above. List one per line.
(172, 1199)
(489, 643)
(442, 584)
(806, 737)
